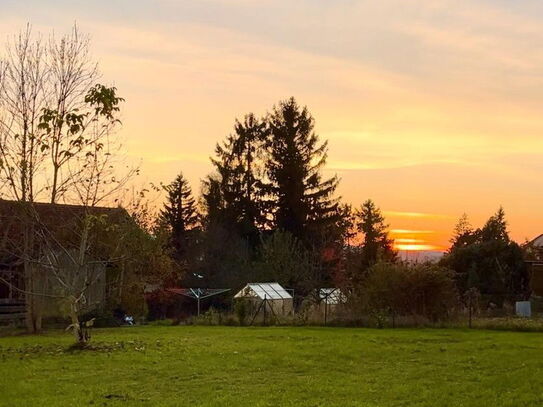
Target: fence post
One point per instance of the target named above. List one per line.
(469, 311)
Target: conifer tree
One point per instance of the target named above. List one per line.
(238, 166)
(178, 215)
(376, 244)
(487, 259)
(213, 202)
(463, 233)
(299, 199)
(495, 229)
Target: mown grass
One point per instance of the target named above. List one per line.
(276, 366)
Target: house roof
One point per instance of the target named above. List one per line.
(45, 209)
(538, 241)
(268, 291)
(60, 220)
(54, 215)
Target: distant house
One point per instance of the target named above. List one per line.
(534, 250)
(60, 222)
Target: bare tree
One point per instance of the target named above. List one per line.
(72, 76)
(56, 122)
(57, 143)
(23, 78)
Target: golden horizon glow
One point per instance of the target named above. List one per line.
(416, 247)
(431, 109)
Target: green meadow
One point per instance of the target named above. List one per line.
(274, 366)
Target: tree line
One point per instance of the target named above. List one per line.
(267, 212)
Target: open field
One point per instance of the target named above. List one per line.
(277, 366)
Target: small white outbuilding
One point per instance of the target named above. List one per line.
(270, 297)
(329, 301)
(332, 296)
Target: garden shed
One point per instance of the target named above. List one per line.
(267, 298)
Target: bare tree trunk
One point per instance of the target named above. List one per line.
(33, 311)
(54, 184)
(79, 336)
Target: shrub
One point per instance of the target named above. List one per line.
(210, 317)
(509, 324)
(241, 308)
(425, 290)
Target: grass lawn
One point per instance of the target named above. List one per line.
(277, 366)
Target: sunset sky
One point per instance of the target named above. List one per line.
(431, 108)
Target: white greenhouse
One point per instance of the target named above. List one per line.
(332, 296)
(267, 298)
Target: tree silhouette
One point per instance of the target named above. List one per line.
(239, 166)
(178, 215)
(376, 244)
(300, 200)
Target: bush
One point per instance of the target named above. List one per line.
(400, 289)
(210, 317)
(509, 324)
(241, 309)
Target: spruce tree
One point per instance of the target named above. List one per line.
(299, 199)
(463, 233)
(238, 166)
(178, 215)
(376, 244)
(213, 202)
(495, 229)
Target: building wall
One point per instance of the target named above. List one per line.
(536, 281)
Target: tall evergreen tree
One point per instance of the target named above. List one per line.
(238, 166)
(495, 229)
(463, 233)
(213, 202)
(300, 200)
(376, 244)
(179, 215)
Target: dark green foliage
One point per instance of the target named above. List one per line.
(224, 255)
(283, 258)
(463, 233)
(232, 208)
(138, 258)
(241, 309)
(299, 199)
(401, 289)
(376, 244)
(223, 261)
(268, 190)
(234, 195)
(179, 216)
(104, 100)
(487, 259)
(213, 203)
